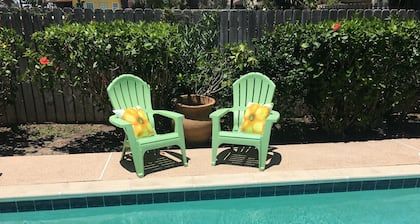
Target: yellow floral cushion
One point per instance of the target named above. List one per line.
(138, 118)
(254, 118)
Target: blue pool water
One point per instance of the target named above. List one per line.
(380, 206)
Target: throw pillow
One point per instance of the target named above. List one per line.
(138, 118)
(254, 118)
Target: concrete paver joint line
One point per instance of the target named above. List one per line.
(408, 146)
(105, 167)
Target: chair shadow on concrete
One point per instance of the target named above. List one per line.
(154, 161)
(247, 156)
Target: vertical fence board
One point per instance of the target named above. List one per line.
(224, 30)
(88, 107)
(68, 13)
(49, 105)
(196, 16)
(148, 15)
(89, 15)
(128, 15)
(60, 108)
(297, 16)
(402, 14)
(385, 13)
(11, 114)
(306, 16)
(252, 24)
(28, 101)
(350, 13)
(37, 23)
(27, 25)
(411, 14)
(258, 23)
(158, 15)
(20, 106)
(58, 16)
(119, 14)
(109, 15)
(5, 18)
(233, 26)
(341, 14)
(270, 20)
(325, 15)
(288, 16)
(187, 13)
(16, 22)
(333, 14)
(316, 16)
(69, 104)
(3, 116)
(99, 15)
(39, 103)
(78, 15)
(138, 15)
(241, 26)
(279, 17)
(79, 106)
(98, 114)
(243, 21)
(367, 13)
(377, 13)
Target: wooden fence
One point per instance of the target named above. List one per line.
(34, 105)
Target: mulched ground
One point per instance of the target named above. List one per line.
(53, 139)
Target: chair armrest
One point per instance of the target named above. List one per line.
(175, 116)
(169, 114)
(215, 118)
(118, 122)
(274, 116)
(220, 113)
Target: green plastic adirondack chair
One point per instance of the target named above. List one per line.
(252, 87)
(130, 91)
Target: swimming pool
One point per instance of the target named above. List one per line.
(390, 206)
(369, 201)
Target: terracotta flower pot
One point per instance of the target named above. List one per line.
(197, 124)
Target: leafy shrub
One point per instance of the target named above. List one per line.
(11, 50)
(89, 56)
(352, 76)
(206, 69)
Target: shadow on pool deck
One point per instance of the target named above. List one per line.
(57, 175)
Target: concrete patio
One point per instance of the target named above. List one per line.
(60, 175)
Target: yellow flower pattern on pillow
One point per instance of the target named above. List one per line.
(138, 118)
(254, 118)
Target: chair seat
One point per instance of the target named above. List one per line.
(239, 135)
(158, 138)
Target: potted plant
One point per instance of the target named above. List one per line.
(213, 73)
(197, 103)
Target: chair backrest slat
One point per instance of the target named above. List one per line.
(253, 87)
(127, 91)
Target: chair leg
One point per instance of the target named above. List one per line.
(183, 152)
(214, 147)
(138, 159)
(262, 157)
(125, 147)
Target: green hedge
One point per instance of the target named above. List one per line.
(11, 50)
(174, 59)
(349, 76)
(89, 56)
